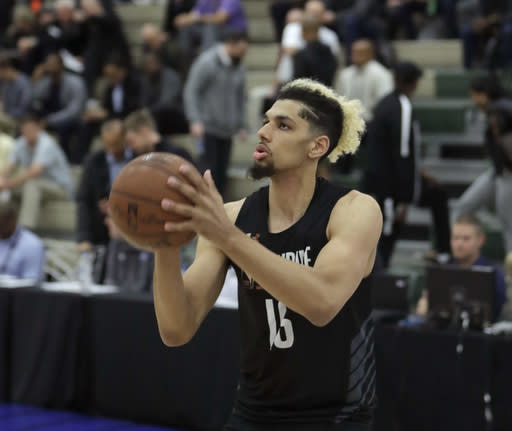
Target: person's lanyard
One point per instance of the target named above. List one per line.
(12, 245)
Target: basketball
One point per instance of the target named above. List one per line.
(136, 197)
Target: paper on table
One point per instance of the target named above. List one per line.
(74, 287)
(9, 282)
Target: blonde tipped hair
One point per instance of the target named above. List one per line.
(352, 116)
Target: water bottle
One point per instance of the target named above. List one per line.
(85, 271)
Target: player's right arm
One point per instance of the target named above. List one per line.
(182, 302)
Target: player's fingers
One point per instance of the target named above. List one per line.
(193, 177)
(185, 189)
(208, 178)
(184, 210)
(183, 226)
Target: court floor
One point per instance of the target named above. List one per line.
(14, 417)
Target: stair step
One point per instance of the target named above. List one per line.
(431, 53)
(442, 116)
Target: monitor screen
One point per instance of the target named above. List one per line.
(450, 287)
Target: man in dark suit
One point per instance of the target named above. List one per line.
(123, 93)
(98, 175)
(392, 174)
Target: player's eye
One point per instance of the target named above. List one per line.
(284, 126)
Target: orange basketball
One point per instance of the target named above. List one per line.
(136, 197)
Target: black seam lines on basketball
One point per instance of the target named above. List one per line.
(156, 202)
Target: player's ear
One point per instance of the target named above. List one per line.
(319, 146)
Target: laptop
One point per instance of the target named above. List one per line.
(451, 288)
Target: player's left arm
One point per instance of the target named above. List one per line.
(318, 293)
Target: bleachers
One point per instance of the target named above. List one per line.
(452, 146)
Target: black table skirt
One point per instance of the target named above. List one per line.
(5, 320)
(102, 354)
(136, 376)
(435, 381)
(46, 348)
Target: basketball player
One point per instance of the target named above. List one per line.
(300, 247)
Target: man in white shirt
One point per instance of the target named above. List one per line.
(293, 41)
(367, 79)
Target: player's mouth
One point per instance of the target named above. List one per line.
(261, 152)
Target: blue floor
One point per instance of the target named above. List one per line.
(14, 417)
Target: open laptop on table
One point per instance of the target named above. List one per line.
(453, 290)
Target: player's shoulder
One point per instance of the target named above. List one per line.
(233, 208)
(356, 204)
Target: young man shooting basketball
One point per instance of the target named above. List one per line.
(300, 248)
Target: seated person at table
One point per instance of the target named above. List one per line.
(467, 239)
(21, 251)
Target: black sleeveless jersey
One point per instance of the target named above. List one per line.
(290, 370)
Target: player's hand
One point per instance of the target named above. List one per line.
(206, 215)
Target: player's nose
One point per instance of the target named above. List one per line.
(264, 133)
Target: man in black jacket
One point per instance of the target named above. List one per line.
(316, 59)
(393, 174)
(98, 175)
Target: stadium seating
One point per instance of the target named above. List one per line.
(452, 146)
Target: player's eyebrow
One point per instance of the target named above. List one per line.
(281, 117)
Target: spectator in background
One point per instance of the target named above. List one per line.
(354, 20)
(100, 170)
(488, 35)
(293, 41)
(104, 37)
(23, 38)
(207, 22)
(6, 7)
(44, 175)
(123, 93)
(393, 174)
(215, 102)
(315, 60)
(66, 34)
(126, 266)
(59, 99)
(158, 42)
(175, 10)
(401, 15)
(6, 147)
(493, 187)
(467, 240)
(15, 94)
(366, 79)
(279, 11)
(21, 251)
(121, 96)
(142, 136)
(162, 96)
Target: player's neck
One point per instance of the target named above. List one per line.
(289, 197)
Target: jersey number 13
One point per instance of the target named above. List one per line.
(282, 339)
